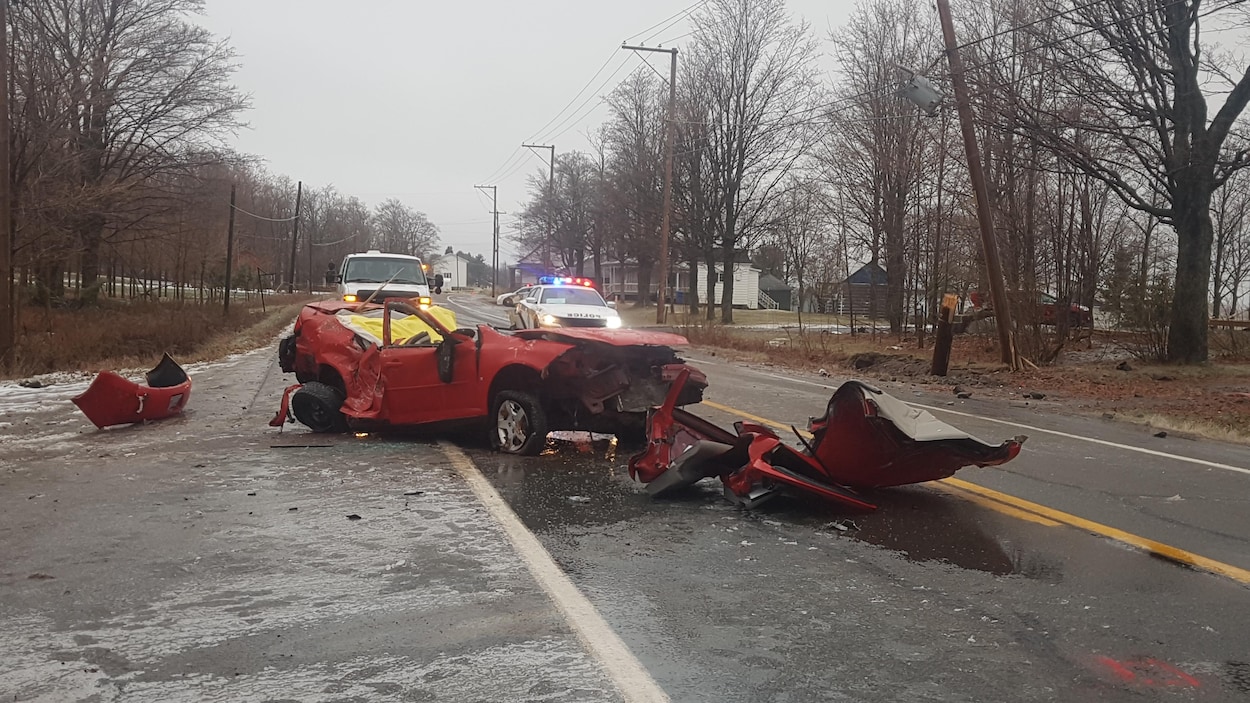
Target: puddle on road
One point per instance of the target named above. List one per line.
(579, 479)
(928, 526)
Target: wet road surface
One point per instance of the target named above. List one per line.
(210, 558)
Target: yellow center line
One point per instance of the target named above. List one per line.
(1035, 512)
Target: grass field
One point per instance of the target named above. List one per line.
(129, 334)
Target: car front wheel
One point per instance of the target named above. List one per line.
(520, 425)
(318, 406)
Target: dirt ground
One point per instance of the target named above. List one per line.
(1098, 377)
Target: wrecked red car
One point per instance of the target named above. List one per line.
(865, 439)
(393, 366)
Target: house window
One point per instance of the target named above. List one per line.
(720, 276)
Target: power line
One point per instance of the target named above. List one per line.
(1088, 55)
(1057, 15)
(547, 137)
(680, 14)
(540, 136)
(262, 217)
(573, 100)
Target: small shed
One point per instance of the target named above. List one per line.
(777, 291)
(864, 292)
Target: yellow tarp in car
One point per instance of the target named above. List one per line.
(403, 327)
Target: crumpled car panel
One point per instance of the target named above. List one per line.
(865, 439)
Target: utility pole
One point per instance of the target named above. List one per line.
(299, 195)
(229, 249)
(661, 307)
(551, 196)
(994, 268)
(8, 307)
(494, 259)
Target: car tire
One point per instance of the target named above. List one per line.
(319, 407)
(518, 423)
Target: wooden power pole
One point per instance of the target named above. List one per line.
(551, 196)
(661, 307)
(299, 195)
(993, 266)
(494, 261)
(229, 250)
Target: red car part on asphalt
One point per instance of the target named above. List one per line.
(519, 384)
(112, 399)
(866, 439)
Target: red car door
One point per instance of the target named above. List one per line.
(430, 382)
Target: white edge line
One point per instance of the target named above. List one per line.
(1128, 447)
(627, 673)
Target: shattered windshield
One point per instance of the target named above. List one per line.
(361, 270)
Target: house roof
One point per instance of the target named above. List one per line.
(870, 273)
(770, 282)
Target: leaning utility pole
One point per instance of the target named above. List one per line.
(666, 218)
(299, 195)
(551, 197)
(8, 308)
(494, 259)
(994, 268)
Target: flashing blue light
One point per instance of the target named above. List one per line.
(565, 281)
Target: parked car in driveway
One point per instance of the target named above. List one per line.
(564, 306)
(1044, 308)
(397, 366)
(511, 297)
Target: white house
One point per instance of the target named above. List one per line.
(455, 270)
(620, 279)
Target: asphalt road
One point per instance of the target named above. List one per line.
(212, 558)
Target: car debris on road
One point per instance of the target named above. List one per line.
(113, 399)
(396, 366)
(865, 439)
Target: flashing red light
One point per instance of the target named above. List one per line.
(566, 281)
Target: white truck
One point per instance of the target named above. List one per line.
(380, 276)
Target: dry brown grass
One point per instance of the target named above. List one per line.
(126, 335)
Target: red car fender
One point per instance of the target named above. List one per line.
(762, 471)
(284, 409)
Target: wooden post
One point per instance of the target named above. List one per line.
(225, 308)
(299, 196)
(944, 336)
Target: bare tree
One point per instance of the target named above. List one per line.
(634, 140)
(399, 229)
(878, 147)
(1142, 74)
(136, 91)
(801, 230)
(1230, 270)
(754, 71)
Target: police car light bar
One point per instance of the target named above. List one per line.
(565, 281)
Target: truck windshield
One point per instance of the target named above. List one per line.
(363, 270)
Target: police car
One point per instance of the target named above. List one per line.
(563, 302)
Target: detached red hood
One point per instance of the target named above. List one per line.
(619, 338)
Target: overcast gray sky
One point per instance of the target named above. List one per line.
(421, 100)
